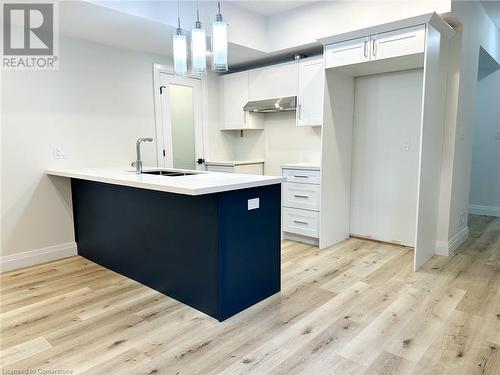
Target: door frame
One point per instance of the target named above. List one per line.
(161, 160)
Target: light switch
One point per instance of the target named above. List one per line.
(253, 204)
(405, 145)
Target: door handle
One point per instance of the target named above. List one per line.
(365, 48)
(374, 48)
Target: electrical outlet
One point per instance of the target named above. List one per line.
(405, 145)
(60, 153)
(461, 133)
(253, 204)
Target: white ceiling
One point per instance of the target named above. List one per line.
(270, 8)
(492, 8)
(87, 21)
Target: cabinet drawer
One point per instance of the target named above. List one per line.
(220, 168)
(300, 222)
(305, 196)
(302, 176)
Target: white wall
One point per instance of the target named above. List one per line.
(279, 143)
(95, 107)
(485, 169)
(321, 19)
(478, 30)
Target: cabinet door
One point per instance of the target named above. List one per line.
(235, 88)
(398, 43)
(274, 81)
(311, 95)
(346, 53)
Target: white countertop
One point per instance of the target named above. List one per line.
(309, 166)
(233, 163)
(198, 184)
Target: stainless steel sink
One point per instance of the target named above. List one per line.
(161, 172)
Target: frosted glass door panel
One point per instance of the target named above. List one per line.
(182, 120)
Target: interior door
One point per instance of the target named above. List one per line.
(181, 122)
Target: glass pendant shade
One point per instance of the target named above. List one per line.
(180, 53)
(198, 50)
(219, 45)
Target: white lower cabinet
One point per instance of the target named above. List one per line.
(302, 222)
(304, 196)
(301, 202)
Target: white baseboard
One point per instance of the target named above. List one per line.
(299, 238)
(477, 209)
(38, 256)
(448, 248)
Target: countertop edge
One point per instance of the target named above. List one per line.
(301, 167)
(168, 189)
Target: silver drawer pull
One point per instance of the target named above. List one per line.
(300, 222)
(300, 176)
(300, 196)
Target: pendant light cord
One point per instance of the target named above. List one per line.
(197, 23)
(178, 14)
(218, 18)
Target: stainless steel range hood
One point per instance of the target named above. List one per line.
(272, 105)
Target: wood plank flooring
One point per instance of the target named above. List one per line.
(356, 308)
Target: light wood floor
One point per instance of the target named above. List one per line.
(356, 308)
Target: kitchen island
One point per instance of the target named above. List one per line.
(210, 240)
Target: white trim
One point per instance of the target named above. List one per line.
(449, 248)
(165, 69)
(38, 256)
(477, 209)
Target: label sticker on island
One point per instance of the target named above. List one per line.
(253, 204)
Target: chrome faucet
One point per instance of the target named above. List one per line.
(138, 163)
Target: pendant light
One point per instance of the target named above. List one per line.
(180, 47)
(219, 43)
(198, 47)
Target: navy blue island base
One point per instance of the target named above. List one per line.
(208, 251)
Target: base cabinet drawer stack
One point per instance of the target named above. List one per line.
(300, 201)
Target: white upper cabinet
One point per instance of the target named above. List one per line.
(310, 96)
(273, 81)
(398, 43)
(235, 93)
(401, 42)
(349, 52)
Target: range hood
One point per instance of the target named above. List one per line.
(272, 105)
